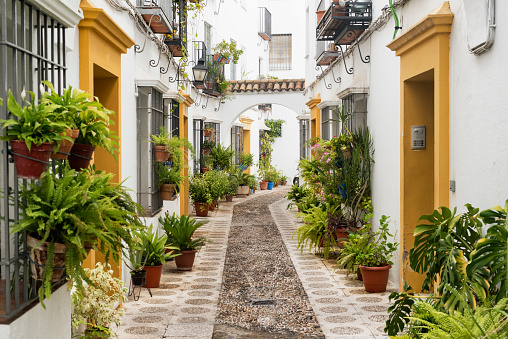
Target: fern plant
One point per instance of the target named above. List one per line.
(314, 232)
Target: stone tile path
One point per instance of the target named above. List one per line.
(187, 303)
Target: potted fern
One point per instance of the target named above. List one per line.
(33, 132)
(180, 231)
(63, 213)
(169, 181)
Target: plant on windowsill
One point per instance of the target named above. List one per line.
(226, 52)
(200, 195)
(156, 255)
(68, 213)
(33, 133)
(160, 143)
(209, 132)
(180, 231)
(375, 259)
(95, 305)
(169, 181)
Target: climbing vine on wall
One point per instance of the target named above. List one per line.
(266, 139)
(275, 127)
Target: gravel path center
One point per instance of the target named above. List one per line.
(261, 294)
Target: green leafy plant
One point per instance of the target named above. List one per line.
(275, 127)
(378, 250)
(217, 182)
(180, 231)
(296, 194)
(243, 178)
(227, 50)
(167, 175)
(314, 232)
(223, 84)
(233, 185)
(246, 159)
(208, 144)
(34, 123)
(94, 305)
(155, 248)
(221, 157)
(350, 255)
(160, 139)
(199, 190)
(178, 147)
(253, 182)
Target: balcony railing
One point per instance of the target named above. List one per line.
(215, 72)
(176, 39)
(157, 14)
(265, 24)
(325, 53)
(344, 24)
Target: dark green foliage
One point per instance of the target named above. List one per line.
(180, 231)
(275, 127)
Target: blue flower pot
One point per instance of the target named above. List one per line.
(270, 185)
(251, 191)
(342, 190)
(243, 167)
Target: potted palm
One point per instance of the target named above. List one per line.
(63, 213)
(95, 305)
(200, 195)
(180, 233)
(156, 255)
(375, 257)
(169, 180)
(33, 134)
(137, 259)
(160, 143)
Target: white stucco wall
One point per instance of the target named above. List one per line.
(39, 323)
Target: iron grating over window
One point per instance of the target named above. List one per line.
(281, 52)
(330, 125)
(198, 141)
(152, 115)
(237, 142)
(32, 49)
(208, 38)
(173, 107)
(356, 105)
(304, 138)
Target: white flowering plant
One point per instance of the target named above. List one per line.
(95, 306)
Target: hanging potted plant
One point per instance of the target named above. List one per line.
(156, 255)
(226, 52)
(375, 257)
(93, 122)
(95, 305)
(160, 144)
(180, 233)
(207, 146)
(245, 160)
(200, 195)
(208, 131)
(33, 134)
(168, 182)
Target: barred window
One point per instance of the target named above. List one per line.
(330, 124)
(280, 52)
(198, 141)
(237, 142)
(32, 49)
(356, 105)
(208, 38)
(304, 137)
(152, 115)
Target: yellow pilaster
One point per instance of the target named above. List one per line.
(246, 137)
(101, 44)
(424, 75)
(184, 133)
(315, 116)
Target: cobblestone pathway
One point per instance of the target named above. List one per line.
(247, 284)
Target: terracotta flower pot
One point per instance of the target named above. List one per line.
(263, 185)
(359, 274)
(284, 183)
(31, 164)
(161, 155)
(167, 191)
(319, 15)
(185, 261)
(206, 150)
(65, 146)
(211, 206)
(229, 198)
(153, 276)
(204, 169)
(375, 279)
(342, 237)
(39, 255)
(201, 209)
(80, 156)
(207, 132)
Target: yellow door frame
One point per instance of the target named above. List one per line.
(424, 59)
(315, 116)
(184, 133)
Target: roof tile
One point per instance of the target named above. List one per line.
(239, 86)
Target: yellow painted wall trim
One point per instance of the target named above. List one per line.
(247, 122)
(100, 22)
(184, 133)
(436, 22)
(315, 116)
(314, 101)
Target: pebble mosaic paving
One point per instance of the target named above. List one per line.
(187, 303)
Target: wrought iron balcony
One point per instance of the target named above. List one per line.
(325, 53)
(157, 14)
(265, 24)
(344, 24)
(176, 39)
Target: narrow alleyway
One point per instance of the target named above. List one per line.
(252, 282)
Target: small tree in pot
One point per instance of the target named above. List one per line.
(180, 231)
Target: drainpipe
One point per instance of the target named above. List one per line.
(485, 46)
(395, 18)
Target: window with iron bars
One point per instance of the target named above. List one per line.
(198, 141)
(356, 105)
(153, 112)
(237, 142)
(280, 52)
(304, 138)
(32, 49)
(330, 124)
(208, 38)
